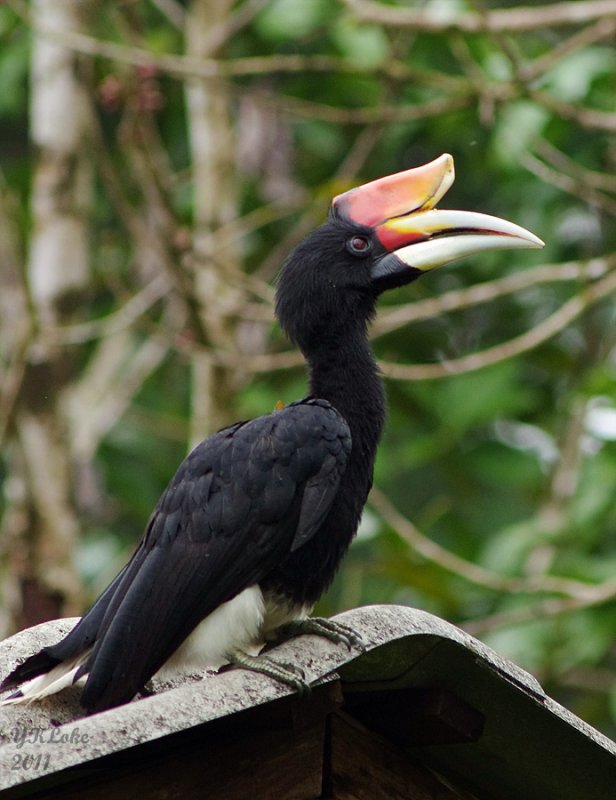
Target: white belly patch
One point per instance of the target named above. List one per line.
(234, 625)
(243, 623)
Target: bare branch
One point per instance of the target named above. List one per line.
(171, 10)
(510, 20)
(375, 114)
(472, 573)
(588, 679)
(552, 515)
(560, 161)
(351, 164)
(586, 117)
(13, 374)
(107, 387)
(604, 28)
(432, 552)
(16, 322)
(395, 317)
(463, 298)
(221, 33)
(555, 323)
(240, 227)
(573, 186)
(250, 364)
(551, 607)
(119, 320)
(186, 66)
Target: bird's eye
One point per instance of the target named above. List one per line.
(359, 245)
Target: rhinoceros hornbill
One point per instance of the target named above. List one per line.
(254, 524)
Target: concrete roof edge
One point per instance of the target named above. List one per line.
(73, 738)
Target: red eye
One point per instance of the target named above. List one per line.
(358, 245)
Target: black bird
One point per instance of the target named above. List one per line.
(254, 524)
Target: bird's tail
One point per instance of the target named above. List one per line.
(59, 677)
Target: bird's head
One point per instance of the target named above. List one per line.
(383, 234)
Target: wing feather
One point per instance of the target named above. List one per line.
(239, 503)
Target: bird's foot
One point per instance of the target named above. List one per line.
(336, 632)
(289, 674)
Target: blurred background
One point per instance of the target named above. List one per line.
(158, 159)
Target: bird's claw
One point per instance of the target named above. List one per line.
(336, 632)
(289, 674)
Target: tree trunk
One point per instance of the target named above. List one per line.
(212, 143)
(41, 525)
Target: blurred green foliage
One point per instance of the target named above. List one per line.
(471, 459)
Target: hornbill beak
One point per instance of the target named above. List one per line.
(401, 210)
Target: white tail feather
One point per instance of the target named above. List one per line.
(58, 678)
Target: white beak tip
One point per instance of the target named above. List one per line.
(535, 241)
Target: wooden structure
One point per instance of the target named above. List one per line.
(425, 712)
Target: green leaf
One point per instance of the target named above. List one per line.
(571, 78)
(506, 551)
(496, 465)
(518, 125)
(283, 19)
(14, 59)
(469, 400)
(366, 46)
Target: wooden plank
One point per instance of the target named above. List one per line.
(282, 766)
(362, 765)
(273, 751)
(417, 716)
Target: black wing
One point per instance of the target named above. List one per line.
(241, 501)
